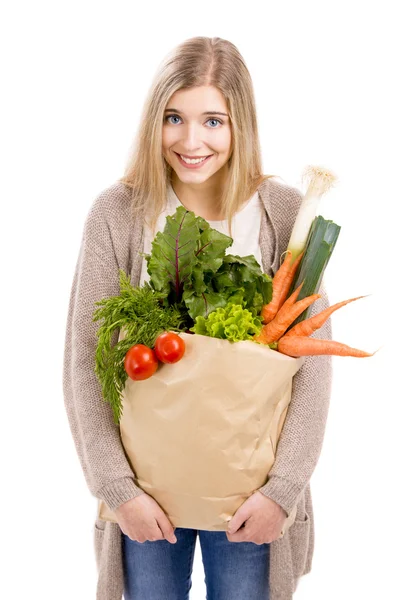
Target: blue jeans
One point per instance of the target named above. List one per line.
(162, 571)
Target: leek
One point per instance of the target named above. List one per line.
(321, 241)
(313, 234)
(320, 181)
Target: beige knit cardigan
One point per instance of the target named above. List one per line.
(111, 240)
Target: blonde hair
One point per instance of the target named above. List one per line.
(198, 61)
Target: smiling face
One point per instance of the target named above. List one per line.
(189, 131)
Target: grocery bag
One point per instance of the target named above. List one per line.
(201, 434)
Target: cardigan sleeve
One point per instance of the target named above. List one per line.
(301, 438)
(96, 437)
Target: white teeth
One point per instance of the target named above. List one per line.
(192, 161)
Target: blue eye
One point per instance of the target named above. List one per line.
(217, 120)
(169, 117)
(178, 117)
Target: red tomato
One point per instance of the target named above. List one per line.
(169, 347)
(140, 362)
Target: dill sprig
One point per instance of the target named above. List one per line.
(139, 311)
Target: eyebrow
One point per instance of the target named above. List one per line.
(208, 112)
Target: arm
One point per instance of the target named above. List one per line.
(300, 442)
(301, 439)
(97, 438)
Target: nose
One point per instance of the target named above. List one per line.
(192, 138)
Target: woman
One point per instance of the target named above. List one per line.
(200, 107)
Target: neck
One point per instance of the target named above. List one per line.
(203, 199)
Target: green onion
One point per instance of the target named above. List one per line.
(319, 181)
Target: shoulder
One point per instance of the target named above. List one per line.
(282, 199)
(109, 224)
(111, 202)
(111, 209)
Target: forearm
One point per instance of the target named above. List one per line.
(107, 471)
(301, 438)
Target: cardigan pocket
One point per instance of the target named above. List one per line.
(300, 538)
(99, 527)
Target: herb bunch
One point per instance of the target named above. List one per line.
(140, 313)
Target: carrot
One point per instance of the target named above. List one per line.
(310, 325)
(284, 317)
(269, 310)
(289, 279)
(292, 298)
(296, 345)
(280, 287)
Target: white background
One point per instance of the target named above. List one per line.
(75, 75)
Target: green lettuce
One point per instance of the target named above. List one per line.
(233, 322)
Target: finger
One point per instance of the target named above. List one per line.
(236, 522)
(242, 532)
(156, 532)
(240, 519)
(241, 515)
(166, 527)
(239, 536)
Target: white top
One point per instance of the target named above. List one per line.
(245, 229)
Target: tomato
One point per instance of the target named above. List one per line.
(169, 347)
(140, 362)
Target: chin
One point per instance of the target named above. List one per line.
(195, 177)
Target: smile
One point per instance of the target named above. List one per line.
(193, 163)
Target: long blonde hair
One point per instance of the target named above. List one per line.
(198, 61)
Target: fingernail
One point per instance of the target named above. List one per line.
(174, 539)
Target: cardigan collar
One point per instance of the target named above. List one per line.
(269, 244)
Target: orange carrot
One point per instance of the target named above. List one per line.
(310, 325)
(281, 283)
(292, 299)
(284, 317)
(304, 346)
(269, 310)
(289, 279)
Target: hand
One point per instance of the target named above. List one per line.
(263, 519)
(142, 519)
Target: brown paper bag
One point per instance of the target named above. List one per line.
(201, 434)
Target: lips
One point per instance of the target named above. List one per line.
(193, 166)
(191, 157)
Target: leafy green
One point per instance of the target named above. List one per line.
(243, 273)
(138, 310)
(188, 264)
(233, 322)
(182, 252)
